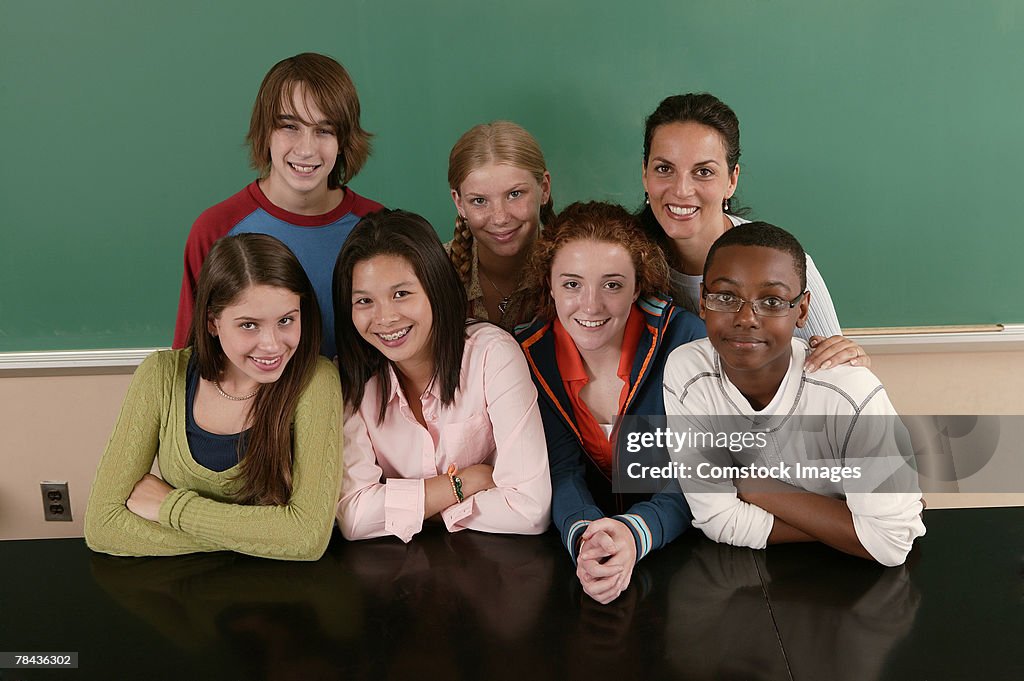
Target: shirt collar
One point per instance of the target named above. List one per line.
(631, 342)
(396, 388)
(570, 363)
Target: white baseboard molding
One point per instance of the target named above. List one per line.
(1003, 337)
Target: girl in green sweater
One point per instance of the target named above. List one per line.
(244, 423)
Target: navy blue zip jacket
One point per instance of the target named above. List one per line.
(581, 491)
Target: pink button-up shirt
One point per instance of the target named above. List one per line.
(493, 420)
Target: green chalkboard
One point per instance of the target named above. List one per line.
(885, 135)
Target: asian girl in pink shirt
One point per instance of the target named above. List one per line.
(441, 413)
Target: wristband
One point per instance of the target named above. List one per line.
(456, 483)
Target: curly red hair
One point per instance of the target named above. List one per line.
(589, 221)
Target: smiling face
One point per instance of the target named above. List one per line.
(391, 311)
(258, 333)
(755, 350)
(501, 204)
(303, 152)
(593, 284)
(686, 178)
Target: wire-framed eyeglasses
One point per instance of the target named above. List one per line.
(769, 306)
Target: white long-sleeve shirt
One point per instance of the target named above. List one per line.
(828, 420)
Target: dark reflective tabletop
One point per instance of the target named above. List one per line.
(954, 611)
(477, 606)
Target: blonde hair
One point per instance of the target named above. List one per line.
(498, 142)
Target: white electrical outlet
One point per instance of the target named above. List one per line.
(56, 502)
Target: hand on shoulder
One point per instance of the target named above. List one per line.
(833, 351)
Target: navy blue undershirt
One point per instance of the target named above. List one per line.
(210, 450)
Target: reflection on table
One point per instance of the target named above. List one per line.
(473, 605)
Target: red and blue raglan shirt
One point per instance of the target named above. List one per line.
(315, 240)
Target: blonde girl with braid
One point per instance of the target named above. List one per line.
(502, 193)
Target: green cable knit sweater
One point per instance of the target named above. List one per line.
(199, 514)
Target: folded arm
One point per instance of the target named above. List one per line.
(520, 501)
(109, 526)
(188, 522)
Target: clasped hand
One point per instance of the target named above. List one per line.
(606, 559)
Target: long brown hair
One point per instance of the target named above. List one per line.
(234, 264)
(328, 84)
(411, 237)
(591, 221)
(498, 142)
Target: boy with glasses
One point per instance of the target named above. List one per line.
(820, 457)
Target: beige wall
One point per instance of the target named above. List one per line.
(953, 382)
(981, 383)
(56, 426)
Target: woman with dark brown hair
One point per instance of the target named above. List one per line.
(244, 423)
(442, 415)
(691, 170)
(597, 351)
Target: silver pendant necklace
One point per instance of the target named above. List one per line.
(503, 303)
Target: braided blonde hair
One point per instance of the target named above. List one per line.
(498, 142)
